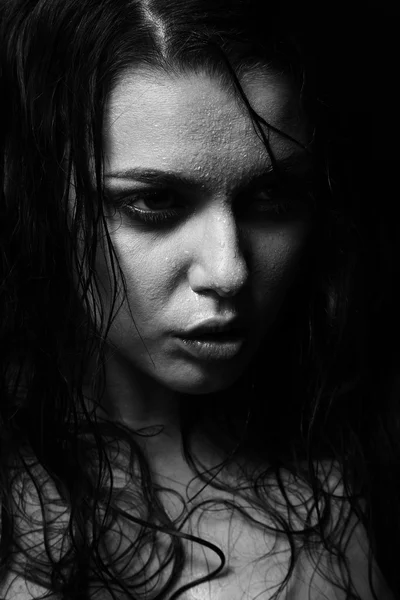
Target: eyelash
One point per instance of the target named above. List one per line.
(158, 217)
(153, 218)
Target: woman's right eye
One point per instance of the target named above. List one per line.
(156, 206)
(155, 200)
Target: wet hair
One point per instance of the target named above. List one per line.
(299, 409)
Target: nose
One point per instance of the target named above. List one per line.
(219, 263)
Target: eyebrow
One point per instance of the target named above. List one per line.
(290, 164)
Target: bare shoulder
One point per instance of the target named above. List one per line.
(29, 519)
(312, 581)
(354, 541)
(15, 587)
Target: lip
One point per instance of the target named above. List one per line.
(212, 327)
(214, 347)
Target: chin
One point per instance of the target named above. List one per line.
(204, 385)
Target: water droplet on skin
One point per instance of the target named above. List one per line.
(167, 258)
(222, 244)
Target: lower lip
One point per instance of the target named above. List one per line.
(213, 348)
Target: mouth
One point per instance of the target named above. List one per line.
(211, 347)
(222, 336)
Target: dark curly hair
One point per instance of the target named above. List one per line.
(319, 428)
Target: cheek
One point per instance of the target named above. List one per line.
(149, 273)
(277, 260)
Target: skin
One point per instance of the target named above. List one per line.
(210, 264)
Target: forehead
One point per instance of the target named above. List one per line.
(193, 123)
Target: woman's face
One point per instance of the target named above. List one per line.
(185, 148)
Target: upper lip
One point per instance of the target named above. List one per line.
(215, 326)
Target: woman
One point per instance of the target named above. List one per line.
(179, 306)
